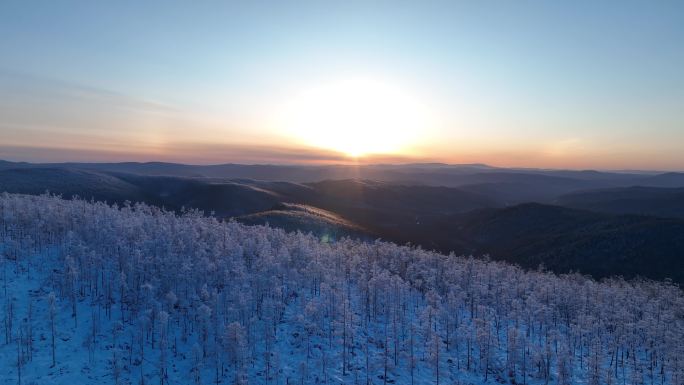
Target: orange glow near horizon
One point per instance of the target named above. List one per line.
(287, 153)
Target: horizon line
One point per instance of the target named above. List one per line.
(357, 164)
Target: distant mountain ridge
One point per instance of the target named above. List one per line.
(427, 173)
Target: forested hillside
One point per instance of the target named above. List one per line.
(463, 220)
(656, 201)
(138, 295)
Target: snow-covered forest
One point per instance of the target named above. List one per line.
(137, 295)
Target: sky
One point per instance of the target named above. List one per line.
(578, 84)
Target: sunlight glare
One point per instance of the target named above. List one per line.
(357, 117)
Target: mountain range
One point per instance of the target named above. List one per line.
(598, 223)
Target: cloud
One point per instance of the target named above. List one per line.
(197, 153)
(35, 110)
(30, 88)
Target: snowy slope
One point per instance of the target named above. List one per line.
(145, 296)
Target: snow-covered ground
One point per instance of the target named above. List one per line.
(145, 296)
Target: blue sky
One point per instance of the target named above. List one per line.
(525, 83)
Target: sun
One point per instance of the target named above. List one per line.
(356, 116)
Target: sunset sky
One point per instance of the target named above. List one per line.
(575, 84)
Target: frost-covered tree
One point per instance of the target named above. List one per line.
(52, 312)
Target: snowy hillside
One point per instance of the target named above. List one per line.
(93, 294)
